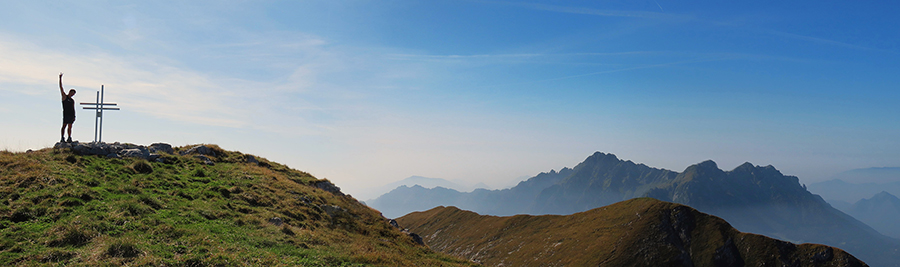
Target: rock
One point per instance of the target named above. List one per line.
(276, 221)
(328, 186)
(134, 153)
(251, 159)
(416, 238)
(113, 156)
(394, 224)
(201, 149)
(161, 147)
(205, 160)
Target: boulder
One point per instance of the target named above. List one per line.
(328, 186)
(201, 149)
(134, 153)
(276, 221)
(161, 148)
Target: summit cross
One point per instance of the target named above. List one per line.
(99, 106)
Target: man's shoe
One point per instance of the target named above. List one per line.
(69, 140)
(62, 139)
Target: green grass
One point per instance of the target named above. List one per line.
(57, 208)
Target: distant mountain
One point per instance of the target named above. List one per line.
(516, 200)
(424, 182)
(879, 175)
(841, 190)
(600, 180)
(637, 232)
(882, 212)
(752, 198)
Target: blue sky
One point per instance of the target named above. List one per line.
(365, 93)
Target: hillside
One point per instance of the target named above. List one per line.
(637, 232)
(187, 206)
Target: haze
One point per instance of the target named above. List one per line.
(365, 93)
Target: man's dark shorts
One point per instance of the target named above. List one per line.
(68, 119)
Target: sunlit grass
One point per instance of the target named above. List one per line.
(60, 208)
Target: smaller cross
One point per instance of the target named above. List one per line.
(99, 106)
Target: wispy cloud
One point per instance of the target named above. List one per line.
(600, 12)
(827, 41)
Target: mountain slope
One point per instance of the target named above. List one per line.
(882, 212)
(764, 201)
(637, 232)
(202, 206)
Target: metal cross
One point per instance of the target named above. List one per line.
(99, 106)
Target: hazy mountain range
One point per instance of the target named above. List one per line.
(881, 212)
(637, 232)
(752, 198)
(428, 182)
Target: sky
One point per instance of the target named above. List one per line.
(365, 93)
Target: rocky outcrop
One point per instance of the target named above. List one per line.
(328, 186)
(201, 149)
(119, 150)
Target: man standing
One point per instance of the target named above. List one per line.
(68, 111)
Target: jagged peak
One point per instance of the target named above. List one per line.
(600, 155)
(746, 165)
(708, 164)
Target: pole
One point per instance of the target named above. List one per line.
(96, 118)
(100, 139)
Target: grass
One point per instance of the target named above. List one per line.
(57, 208)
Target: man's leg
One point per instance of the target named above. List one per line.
(62, 133)
(70, 132)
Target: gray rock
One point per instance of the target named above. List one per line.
(328, 186)
(251, 159)
(416, 238)
(134, 153)
(113, 156)
(276, 221)
(161, 148)
(394, 224)
(201, 149)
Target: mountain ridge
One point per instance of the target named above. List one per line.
(651, 233)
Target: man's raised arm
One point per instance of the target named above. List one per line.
(62, 91)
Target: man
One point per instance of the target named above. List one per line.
(68, 111)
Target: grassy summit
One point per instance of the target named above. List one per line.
(57, 207)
